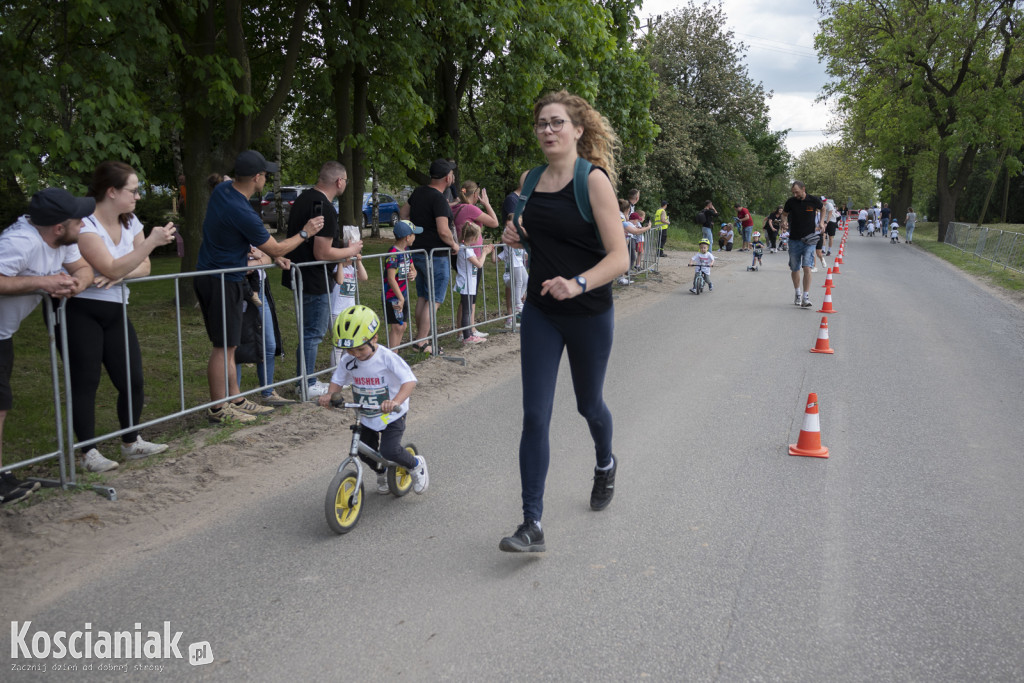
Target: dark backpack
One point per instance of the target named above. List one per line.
(580, 190)
(699, 218)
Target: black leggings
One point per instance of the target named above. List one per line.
(96, 338)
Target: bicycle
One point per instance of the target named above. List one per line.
(699, 278)
(344, 501)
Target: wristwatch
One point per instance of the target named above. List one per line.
(303, 234)
(582, 282)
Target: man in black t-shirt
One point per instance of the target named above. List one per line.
(428, 209)
(316, 312)
(805, 219)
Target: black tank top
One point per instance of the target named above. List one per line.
(562, 244)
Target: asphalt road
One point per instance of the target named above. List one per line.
(899, 558)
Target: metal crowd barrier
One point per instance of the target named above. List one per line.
(492, 307)
(999, 247)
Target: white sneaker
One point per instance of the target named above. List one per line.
(317, 390)
(94, 462)
(814, 269)
(623, 280)
(382, 483)
(478, 333)
(508, 324)
(142, 449)
(420, 477)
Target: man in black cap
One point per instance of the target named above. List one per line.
(230, 229)
(37, 253)
(428, 209)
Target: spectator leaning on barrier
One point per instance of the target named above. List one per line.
(428, 209)
(317, 202)
(37, 253)
(112, 241)
(230, 229)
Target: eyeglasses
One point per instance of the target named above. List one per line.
(134, 191)
(554, 124)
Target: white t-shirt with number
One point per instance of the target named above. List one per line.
(122, 248)
(24, 253)
(344, 295)
(374, 381)
(703, 261)
(466, 273)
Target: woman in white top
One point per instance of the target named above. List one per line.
(114, 244)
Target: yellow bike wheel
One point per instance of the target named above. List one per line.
(344, 502)
(399, 479)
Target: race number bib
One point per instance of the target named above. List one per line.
(370, 398)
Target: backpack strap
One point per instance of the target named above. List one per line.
(581, 188)
(532, 178)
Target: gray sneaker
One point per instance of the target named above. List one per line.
(228, 415)
(796, 299)
(807, 303)
(141, 448)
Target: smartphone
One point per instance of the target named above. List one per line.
(318, 208)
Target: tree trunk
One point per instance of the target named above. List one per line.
(992, 186)
(904, 192)
(1006, 196)
(947, 191)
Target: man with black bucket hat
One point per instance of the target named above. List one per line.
(230, 228)
(38, 253)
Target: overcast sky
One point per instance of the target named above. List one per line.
(780, 55)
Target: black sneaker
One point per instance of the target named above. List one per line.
(13, 490)
(528, 538)
(604, 486)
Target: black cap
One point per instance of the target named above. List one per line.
(664, 202)
(440, 168)
(250, 162)
(55, 205)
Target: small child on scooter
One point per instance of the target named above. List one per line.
(704, 259)
(758, 247)
(380, 378)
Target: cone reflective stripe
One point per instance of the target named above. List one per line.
(821, 346)
(828, 279)
(809, 442)
(839, 257)
(826, 306)
(835, 270)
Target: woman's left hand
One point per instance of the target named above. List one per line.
(560, 288)
(104, 282)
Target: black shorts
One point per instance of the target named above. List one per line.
(216, 312)
(389, 312)
(6, 366)
(831, 228)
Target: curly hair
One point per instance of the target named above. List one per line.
(599, 142)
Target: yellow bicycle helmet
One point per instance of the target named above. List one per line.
(354, 327)
(705, 241)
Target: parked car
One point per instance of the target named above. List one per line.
(387, 208)
(268, 205)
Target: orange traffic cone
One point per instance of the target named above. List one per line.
(821, 346)
(839, 257)
(809, 442)
(835, 269)
(828, 279)
(826, 306)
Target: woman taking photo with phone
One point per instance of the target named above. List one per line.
(568, 294)
(113, 243)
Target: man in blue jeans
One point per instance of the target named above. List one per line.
(803, 216)
(428, 209)
(316, 280)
